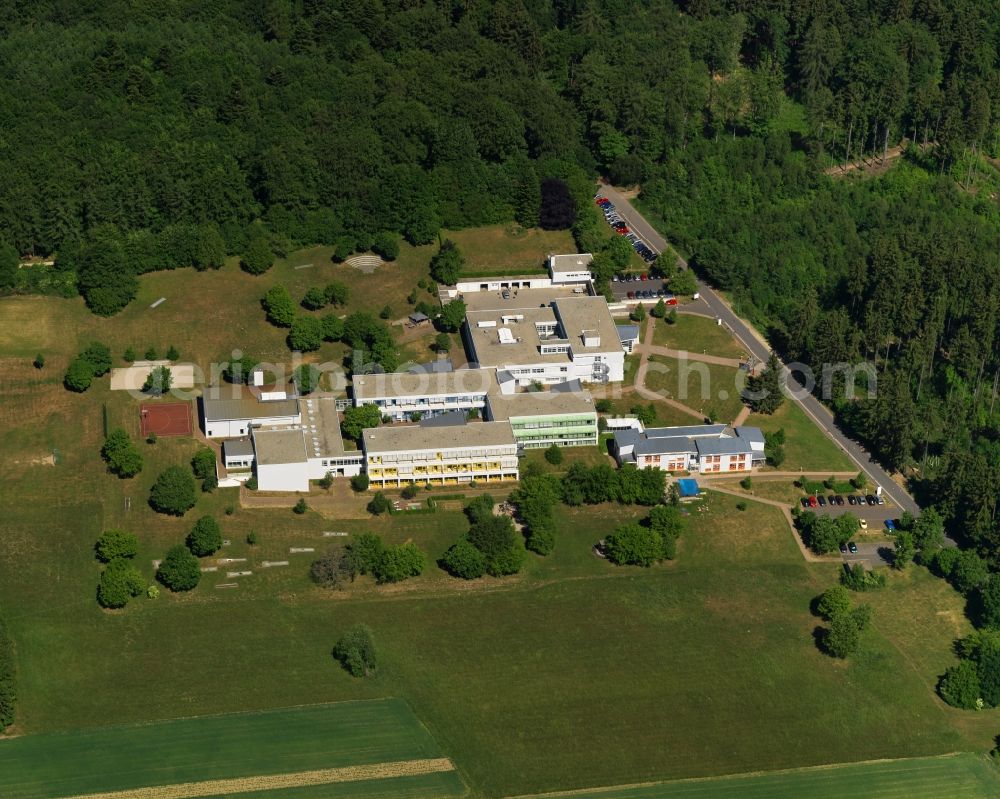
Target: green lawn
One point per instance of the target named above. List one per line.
(963, 776)
(221, 747)
(807, 447)
(697, 334)
(573, 674)
(499, 250)
(705, 387)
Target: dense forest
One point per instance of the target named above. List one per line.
(150, 135)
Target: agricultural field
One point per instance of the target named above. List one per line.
(962, 776)
(697, 334)
(375, 748)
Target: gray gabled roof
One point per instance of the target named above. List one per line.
(237, 448)
(673, 445)
(688, 431)
(627, 437)
(722, 446)
(628, 332)
(750, 434)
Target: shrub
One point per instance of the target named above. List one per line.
(174, 491)
(172, 353)
(116, 545)
(203, 463)
(858, 578)
(279, 307)
(120, 581)
(99, 357)
(121, 455)
(746, 483)
(258, 257)
(464, 560)
(959, 686)
(635, 545)
(365, 551)
(306, 334)
(379, 504)
(360, 482)
(832, 602)
(314, 299)
(410, 491)
(252, 538)
(356, 651)
(300, 506)
(554, 454)
(39, 361)
(333, 569)
(179, 570)
(205, 537)
(79, 376)
(399, 563)
(386, 245)
(151, 354)
(158, 381)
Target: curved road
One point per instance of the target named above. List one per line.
(757, 345)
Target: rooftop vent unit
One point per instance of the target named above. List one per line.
(506, 336)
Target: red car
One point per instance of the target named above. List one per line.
(622, 231)
(812, 502)
(645, 276)
(671, 301)
(599, 200)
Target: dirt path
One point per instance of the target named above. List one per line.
(279, 782)
(691, 356)
(640, 375)
(867, 164)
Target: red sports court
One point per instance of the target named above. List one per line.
(165, 419)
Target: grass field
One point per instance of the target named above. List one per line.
(574, 673)
(706, 387)
(380, 735)
(509, 249)
(698, 334)
(807, 447)
(961, 776)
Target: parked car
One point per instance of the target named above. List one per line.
(671, 301)
(631, 295)
(890, 525)
(832, 500)
(805, 502)
(622, 231)
(870, 499)
(852, 547)
(838, 499)
(852, 499)
(843, 549)
(821, 500)
(859, 499)
(863, 524)
(601, 200)
(812, 502)
(879, 499)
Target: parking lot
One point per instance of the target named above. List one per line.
(620, 289)
(643, 248)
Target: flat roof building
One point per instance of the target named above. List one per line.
(542, 418)
(544, 337)
(444, 455)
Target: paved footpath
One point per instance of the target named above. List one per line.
(758, 346)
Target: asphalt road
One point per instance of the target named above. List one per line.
(757, 345)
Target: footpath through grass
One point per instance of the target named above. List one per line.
(220, 747)
(962, 776)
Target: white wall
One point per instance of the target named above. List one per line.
(238, 428)
(317, 471)
(283, 477)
